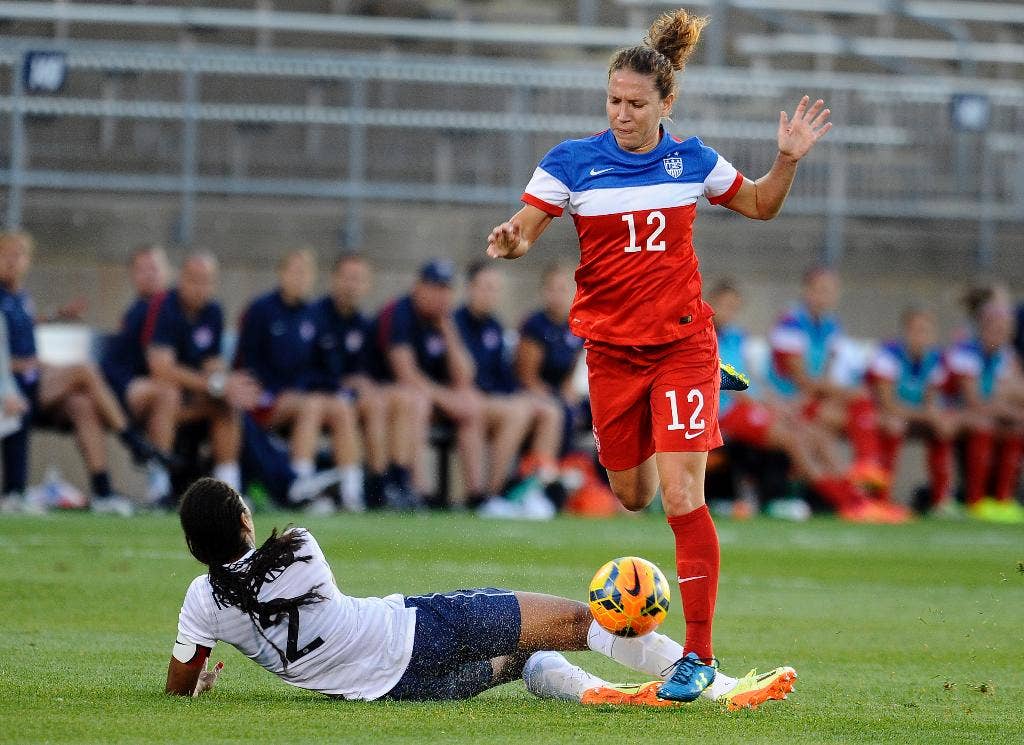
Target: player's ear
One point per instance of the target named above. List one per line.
(666, 105)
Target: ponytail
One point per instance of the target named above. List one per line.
(667, 46)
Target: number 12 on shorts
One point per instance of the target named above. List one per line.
(695, 426)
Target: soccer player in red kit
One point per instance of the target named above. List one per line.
(652, 356)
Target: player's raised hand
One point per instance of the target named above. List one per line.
(207, 679)
(808, 125)
(504, 241)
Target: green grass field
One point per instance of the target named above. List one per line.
(899, 634)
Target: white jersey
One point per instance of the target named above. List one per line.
(357, 648)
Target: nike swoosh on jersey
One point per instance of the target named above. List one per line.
(691, 435)
(595, 172)
(691, 579)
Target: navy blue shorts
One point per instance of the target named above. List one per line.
(457, 634)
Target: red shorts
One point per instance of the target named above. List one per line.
(748, 421)
(654, 399)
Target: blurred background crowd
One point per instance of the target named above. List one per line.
(322, 403)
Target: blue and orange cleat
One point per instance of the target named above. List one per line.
(732, 379)
(689, 678)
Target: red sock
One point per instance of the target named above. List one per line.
(940, 469)
(1007, 468)
(889, 451)
(697, 558)
(978, 466)
(837, 491)
(862, 429)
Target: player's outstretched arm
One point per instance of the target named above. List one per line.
(192, 678)
(762, 199)
(513, 238)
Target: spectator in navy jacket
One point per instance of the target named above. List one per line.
(183, 337)
(511, 414)
(151, 403)
(548, 351)
(277, 344)
(424, 351)
(75, 394)
(393, 417)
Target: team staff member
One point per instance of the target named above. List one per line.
(986, 379)
(654, 378)
(548, 351)
(393, 417)
(804, 343)
(75, 394)
(763, 422)
(423, 350)
(907, 377)
(183, 337)
(280, 605)
(511, 414)
(277, 345)
(152, 403)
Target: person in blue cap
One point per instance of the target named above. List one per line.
(422, 349)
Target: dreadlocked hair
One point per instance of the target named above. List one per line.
(669, 42)
(210, 514)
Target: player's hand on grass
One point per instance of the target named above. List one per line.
(504, 241)
(207, 679)
(808, 125)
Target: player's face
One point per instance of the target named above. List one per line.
(821, 293)
(920, 332)
(350, 283)
(198, 283)
(727, 306)
(433, 301)
(557, 293)
(484, 292)
(15, 260)
(297, 277)
(635, 109)
(149, 273)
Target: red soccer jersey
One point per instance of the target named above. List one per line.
(638, 282)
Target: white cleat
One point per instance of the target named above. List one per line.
(114, 504)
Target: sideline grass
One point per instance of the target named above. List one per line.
(899, 634)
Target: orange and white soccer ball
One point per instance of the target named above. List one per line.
(629, 596)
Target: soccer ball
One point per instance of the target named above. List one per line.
(629, 596)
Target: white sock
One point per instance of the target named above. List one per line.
(230, 474)
(550, 675)
(303, 468)
(653, 654)
(720, 685)
(351, 488)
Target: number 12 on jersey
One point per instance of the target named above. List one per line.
(656, 219)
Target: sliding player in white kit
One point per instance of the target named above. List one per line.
(280, 606)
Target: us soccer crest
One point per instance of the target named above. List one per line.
(674, 166)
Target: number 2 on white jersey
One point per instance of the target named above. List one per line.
(694, 425)
(653, 244)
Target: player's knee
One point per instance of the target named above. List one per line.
(168, 395)
(634, 497)
(79, 406)
(684, 494)
(314, 404)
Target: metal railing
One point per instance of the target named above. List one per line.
(891, 155)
